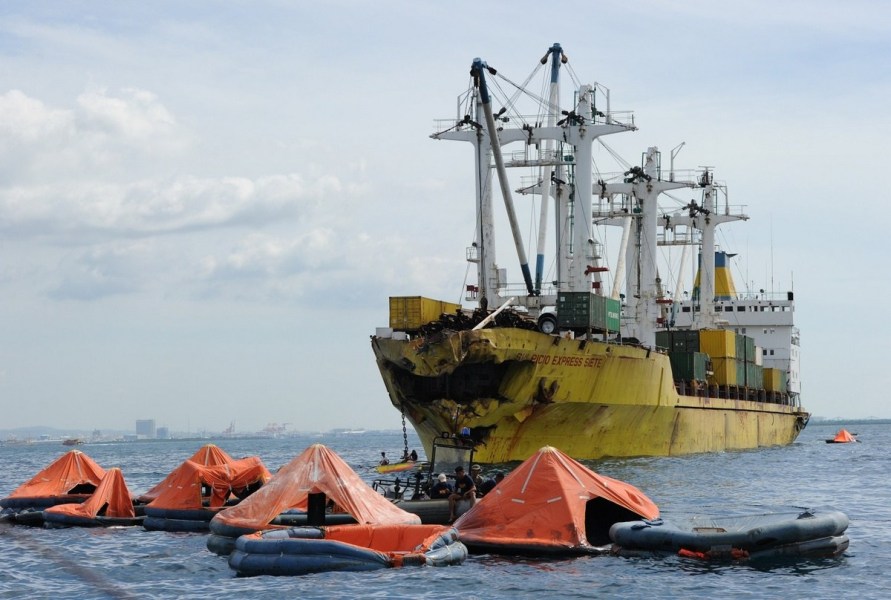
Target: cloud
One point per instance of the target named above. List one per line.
(83, 212)
(136, 115)
(105, 271)
(103, 135)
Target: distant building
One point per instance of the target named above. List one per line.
(163, 433)
(145, 428)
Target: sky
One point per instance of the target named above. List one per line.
(204, 206)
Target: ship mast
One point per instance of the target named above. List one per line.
(579, 128)
(642, 187)
(706, 217)
(478, 71)
(468, 129)
(555, 52)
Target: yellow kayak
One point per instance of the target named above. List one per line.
(400, 466)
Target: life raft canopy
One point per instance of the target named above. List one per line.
(111, 500)
(207, 455)
(316, 471)
(843, 437)
(551, 504)
(72, 474)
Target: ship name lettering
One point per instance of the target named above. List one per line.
(567, 361)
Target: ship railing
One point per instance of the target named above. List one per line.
(764, 296)
(519, 290)
(531, 157)
(623, 118)
(689, 176)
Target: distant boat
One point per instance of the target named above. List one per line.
(72, 442)
(842, 437)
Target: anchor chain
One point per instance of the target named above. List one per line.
(404, 432)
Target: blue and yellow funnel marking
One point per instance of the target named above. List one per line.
(724, 288)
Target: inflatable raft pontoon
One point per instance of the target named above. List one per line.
(807, 533)
(303, 550)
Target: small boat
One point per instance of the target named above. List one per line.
(842, 437)
(319, 484)
(399, 467)
(551, 505)
(70, 479)
(111, 505)
(303, 550)
(788, 533)
(72, 442)
(193, 493)
(410, 492)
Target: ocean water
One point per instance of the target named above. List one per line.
(135, 563)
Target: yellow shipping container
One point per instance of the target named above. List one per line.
(408, 313)
(718, 343)
(725, 371)
(774, 380)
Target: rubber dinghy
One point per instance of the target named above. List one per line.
(303, 550)
(789, 533)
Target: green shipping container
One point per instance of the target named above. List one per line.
(745, 348)
(686, 340)
(578, 310)
(740, 346)
(689, 366)
(754, 375)
(678, 340)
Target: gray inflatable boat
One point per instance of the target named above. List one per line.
(793, 532)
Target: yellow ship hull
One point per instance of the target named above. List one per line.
(518, 390)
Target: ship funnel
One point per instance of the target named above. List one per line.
(724, 288)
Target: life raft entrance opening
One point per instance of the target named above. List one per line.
(600, 515)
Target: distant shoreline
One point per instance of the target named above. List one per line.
(816, 421)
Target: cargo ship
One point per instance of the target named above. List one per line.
(595, 356)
